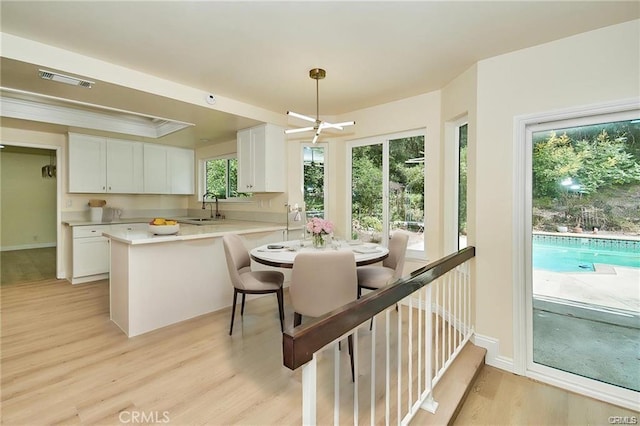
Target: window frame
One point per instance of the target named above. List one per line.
(202, 180)
(325, 147)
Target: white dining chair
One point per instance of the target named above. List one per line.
(322, 282)
(373, 277)
(245, 281)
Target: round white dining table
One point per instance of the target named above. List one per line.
(283, 254)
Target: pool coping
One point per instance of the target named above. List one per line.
(589, 235)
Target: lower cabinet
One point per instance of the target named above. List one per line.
(90, 251)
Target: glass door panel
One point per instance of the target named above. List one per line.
(585, 265)
(406, 188)
(387, 189)
(367, 206)
(314, 180)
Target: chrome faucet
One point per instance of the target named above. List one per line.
(204, 197)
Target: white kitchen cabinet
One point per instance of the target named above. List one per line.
(87, 163)
(98, 165)
(90, 259)
(181, 165)
(168, 170)
(156, 177)
(124, 166)
(261, 159)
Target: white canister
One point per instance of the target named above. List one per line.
(95, 214)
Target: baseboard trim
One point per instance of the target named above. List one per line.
(493, 357)
(27, 246)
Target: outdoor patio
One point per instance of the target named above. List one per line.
(588, 323)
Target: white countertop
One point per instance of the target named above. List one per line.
(193, 232)
(113, 222)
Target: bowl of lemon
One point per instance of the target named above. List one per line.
(161, 226)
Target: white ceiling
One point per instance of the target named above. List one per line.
(260, 52)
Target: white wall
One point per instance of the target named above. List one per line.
(458, 101)
(597, 66)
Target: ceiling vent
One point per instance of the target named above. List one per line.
(61, 78)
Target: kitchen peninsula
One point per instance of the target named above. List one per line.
(159, 280)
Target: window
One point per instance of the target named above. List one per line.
(221, 178)
(387, 188)
(462, 186)
(314, 171)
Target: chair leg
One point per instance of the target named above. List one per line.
(233, 310)
(297, 319)
(280, 297)
(244, 295)
(350, 342)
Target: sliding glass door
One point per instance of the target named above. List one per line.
(584, 298)
(387, 188)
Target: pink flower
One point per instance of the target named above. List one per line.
(319, 226)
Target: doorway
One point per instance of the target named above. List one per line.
(29, 213)
(577, 313)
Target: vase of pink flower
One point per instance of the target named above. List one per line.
(319, 229)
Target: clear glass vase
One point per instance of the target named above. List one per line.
(319, 241)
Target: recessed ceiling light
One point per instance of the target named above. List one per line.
(61, 78)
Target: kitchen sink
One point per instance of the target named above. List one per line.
(199, 221)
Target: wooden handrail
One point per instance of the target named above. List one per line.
(300, 343)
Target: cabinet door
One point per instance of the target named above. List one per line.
(124, 166)
(272, 168)
(245, 161)
(181, 170)
(90, 256)
(258, 158)
(87, 163)
(156, 179)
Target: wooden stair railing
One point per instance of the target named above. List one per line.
(300, 343)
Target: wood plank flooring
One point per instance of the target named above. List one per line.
(501, 398)
(64, 362)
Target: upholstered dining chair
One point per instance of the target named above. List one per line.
(321, 282)
(372, 277)
(245, 281)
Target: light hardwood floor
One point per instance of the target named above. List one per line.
(63, 361)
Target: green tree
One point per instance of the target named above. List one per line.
(554, 160)
(314, 186)
(592, 163)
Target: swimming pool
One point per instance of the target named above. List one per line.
(578, 254)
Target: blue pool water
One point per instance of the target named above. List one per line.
(560, 254)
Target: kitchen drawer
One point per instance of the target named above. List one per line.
(90, 231)
(130, 227)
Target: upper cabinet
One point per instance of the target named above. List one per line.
(98, 165)
(168, 170)
(181, 169)
(261, 159)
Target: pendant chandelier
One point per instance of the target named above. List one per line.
(318, 125)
